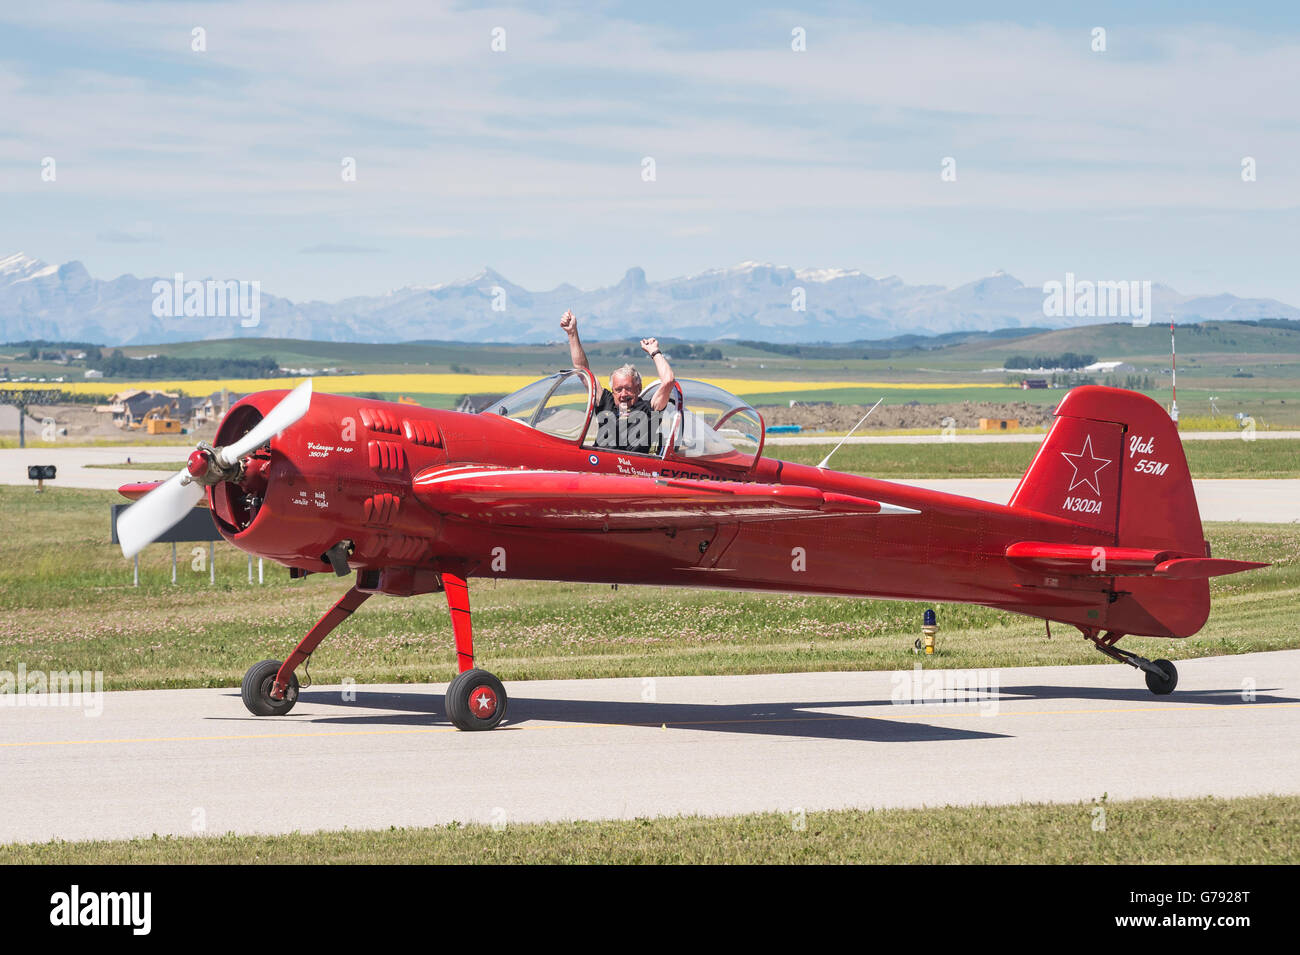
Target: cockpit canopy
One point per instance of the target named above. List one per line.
(559, 404)
(702, 423)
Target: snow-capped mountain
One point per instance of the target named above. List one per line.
(752, 300)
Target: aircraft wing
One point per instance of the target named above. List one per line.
(573, 500)
(138, 490)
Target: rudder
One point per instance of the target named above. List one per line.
(1113, 461)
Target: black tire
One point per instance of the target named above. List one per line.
(476, 700)
(449, 696)
(1162, 685)
(256, 690)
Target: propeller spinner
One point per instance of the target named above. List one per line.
(162, 508)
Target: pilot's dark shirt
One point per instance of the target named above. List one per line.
(617, 434)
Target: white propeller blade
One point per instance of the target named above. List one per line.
(292, 407)
(162, 508)
(156, 513)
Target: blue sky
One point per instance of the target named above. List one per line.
(1122, 164)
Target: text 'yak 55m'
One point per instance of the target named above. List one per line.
(1102, 533)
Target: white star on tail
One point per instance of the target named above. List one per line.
(1089, 469)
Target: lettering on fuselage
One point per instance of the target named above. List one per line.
(627, 466)
(689, 475)
(1082, 505)
(315, 450)
(304, 499)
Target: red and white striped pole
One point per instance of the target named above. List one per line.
(1173, 370)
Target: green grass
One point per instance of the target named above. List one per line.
(1208, 831)
(1262, 458)
(66, 602)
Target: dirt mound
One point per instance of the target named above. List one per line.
(965, 414)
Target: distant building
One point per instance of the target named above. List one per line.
(128, 408)
(1027, 383)
(210, 409)
(94, 373)
(1110, 368)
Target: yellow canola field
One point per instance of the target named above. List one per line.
(449, 384)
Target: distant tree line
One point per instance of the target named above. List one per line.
(1131, 382)
(697, 352)
(1070, 379)
(43, 343)
(853, 350)
(680, 350)
(117, 365)
(1065, 360)
(42, 350)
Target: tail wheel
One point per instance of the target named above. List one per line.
(1162, 683)
(256, 690)
(476, 700)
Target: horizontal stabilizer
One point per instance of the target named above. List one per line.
(1082, 560)
(573, 500)
(1200, 568)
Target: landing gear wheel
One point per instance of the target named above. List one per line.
(476, 700)
(1162, 685)
(256, 690)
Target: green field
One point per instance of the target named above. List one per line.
(1248, 367)
(66, 602)
(1208, 831)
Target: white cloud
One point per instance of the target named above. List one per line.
(454, 140)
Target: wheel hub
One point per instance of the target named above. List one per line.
(483, 702)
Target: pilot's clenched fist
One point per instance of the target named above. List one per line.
(569, 323)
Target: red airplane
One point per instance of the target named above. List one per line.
(1102, 533)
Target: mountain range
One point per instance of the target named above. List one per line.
(750, 301)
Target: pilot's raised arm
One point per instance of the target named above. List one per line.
(576, 354)
(666, 378)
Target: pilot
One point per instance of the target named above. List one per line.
(624, 420)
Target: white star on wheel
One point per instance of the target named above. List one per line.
(484, 702)
(1090, 468)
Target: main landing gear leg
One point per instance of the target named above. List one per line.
(1162, 676)
(475, 699)
(270, 688)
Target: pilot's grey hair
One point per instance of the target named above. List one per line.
(628, 369)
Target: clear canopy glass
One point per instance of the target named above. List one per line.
(556, 405)
(714, 426)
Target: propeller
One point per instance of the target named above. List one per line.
(291, 407)
(162, 508)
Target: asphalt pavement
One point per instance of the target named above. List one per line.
(189, 761)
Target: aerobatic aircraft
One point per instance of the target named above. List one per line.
(1102, 533)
